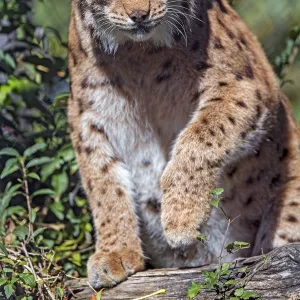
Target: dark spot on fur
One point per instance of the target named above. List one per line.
(90, 186)
(119, 192)
(284, 154)
(239, 46)
(249, 200)
(243, 135)
(153, 205)
(222, 7)
(78, 148)
(211, 132)
(222, 83)
(243, 41)
(275, 181)
(193, 159)
(249, 180)
(256, 223)
(293, 203)
(104, 169)
(249, 72)
(167, 64)
(204, 121)
(202, 65)
(84, 83)
(208, 144)
(99, 203)
(258, 111)
(162, 77)
(195, 97)
(222, 128)
(232, 171)
(88, 150)
(292, 219)
(218, 44)
(217, 99)
(97, 129)
(231, 120)
(146, 163)
(242, 104)
(258, 95)
(238, 76)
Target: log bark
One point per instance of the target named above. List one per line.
(274, 276)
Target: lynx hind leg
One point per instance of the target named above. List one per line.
(287, 228)
(281, 223)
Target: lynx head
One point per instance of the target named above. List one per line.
(114, 22)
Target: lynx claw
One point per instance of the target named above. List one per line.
(109, 269)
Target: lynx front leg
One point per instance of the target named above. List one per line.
(108, 185)
(221, 129)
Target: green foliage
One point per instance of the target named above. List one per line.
(45, 230)
(225, 282)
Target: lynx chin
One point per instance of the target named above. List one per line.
(170, 99)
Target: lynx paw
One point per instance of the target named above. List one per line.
(109, 269)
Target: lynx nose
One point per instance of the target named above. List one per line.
(138, 16)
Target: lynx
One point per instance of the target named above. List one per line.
(169, 100)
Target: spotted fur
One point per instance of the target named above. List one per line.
(162, 113)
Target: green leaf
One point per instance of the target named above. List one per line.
(215, 202)
(194, 290)
(33, 215)
(239, 292)
(60, 292)
(43, 192)
(225, 269)
(217, 191)
(21, 232)
(60, 183)
(231, 282)
(49, 168)
(2, 281)
(39, 161)
(33, 149)
(249, 294)
(242, 245)
(242, 270)
(9, 152)
(7, 171)
(16, 210)
(8, 194)
(8, 290)
(37, 232)
(202, 238)
(3, 249)
(60, 100)
(28, 279)
(58, 209)
(34, 176)
(11, 161)
(236, 246)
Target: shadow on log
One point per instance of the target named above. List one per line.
(274, 276)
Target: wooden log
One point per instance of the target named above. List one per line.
(275, 276)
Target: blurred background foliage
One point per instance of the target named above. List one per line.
(45, 228)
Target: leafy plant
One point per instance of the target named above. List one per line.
(225, 282)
